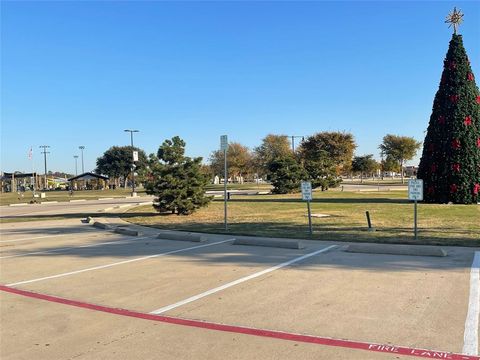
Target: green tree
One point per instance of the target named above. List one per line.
(176, 181)
(338, 145)
(272, 147)
(286, 175)
(390, 165)
(399, 148)
(325, 155)
(365, 164)
(239, 160)
(117, 163)
(450, 162)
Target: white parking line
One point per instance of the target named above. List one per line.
(239, 281)
(72, 247)
(30, 238)
(470, 336)
(117, 263)
(59, 233)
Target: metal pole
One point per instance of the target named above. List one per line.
(45, 152)
(368, 219)
(83, 168)
(415, 219)
(76, 163)
(133, 163)
(309, 218)
(225, 188)
(293, 143)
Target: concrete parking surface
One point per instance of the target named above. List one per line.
(406, 303)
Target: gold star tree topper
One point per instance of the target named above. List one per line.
(455, 18)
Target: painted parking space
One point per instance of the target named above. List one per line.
(164, 280)
(404, 306)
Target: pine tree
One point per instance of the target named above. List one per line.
(450, 163)
(286, 175)
(176, 180)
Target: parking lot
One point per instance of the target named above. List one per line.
(70, 290)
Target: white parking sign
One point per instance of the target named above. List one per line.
(306, 190)
(415, 189)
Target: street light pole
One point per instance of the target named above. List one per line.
(133, 160)
(45, 152)
(293, 140)
(76, 158)
(81, 149)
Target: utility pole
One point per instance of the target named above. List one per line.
(45, 152)
(133, 159)
(81, 149)
(76, 158)
(293, 140)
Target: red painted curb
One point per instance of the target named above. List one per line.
(400, 350)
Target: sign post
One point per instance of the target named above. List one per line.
(306, 187)
(224, 148)
(415, 193)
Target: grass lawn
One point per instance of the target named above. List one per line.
(285, 216)
(15, 198)
(245, 186)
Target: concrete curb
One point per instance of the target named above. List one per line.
(287, 244)
(77, 200)
(120, 230)
(182, 237)
(107, 198)
(412, 250)
(22, 204)
(101, 225)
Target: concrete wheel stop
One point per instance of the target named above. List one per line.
(391, 249)
(187, 236)
(126, 231)
(287, 244)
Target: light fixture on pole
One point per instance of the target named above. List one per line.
(81, 149)
(293, 140)
(133, 158)
(76, 160)
(45, 152)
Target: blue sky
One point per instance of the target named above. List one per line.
(79, 73)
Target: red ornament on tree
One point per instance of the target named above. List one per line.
(476, 189)
(470, 77)
(456, 144)
(478, 99)
(433, 168)
(453, 188)
(430, 189)
(454, 98)
(456, 167)
(441, 119)
(478, 142)
(452, 65)
(431, 147)
(468, 120)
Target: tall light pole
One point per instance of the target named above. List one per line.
(76, 158)
(45, 152)
(81, 149)
(293, 140)
(133, 159)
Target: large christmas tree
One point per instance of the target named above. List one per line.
(450, 163)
